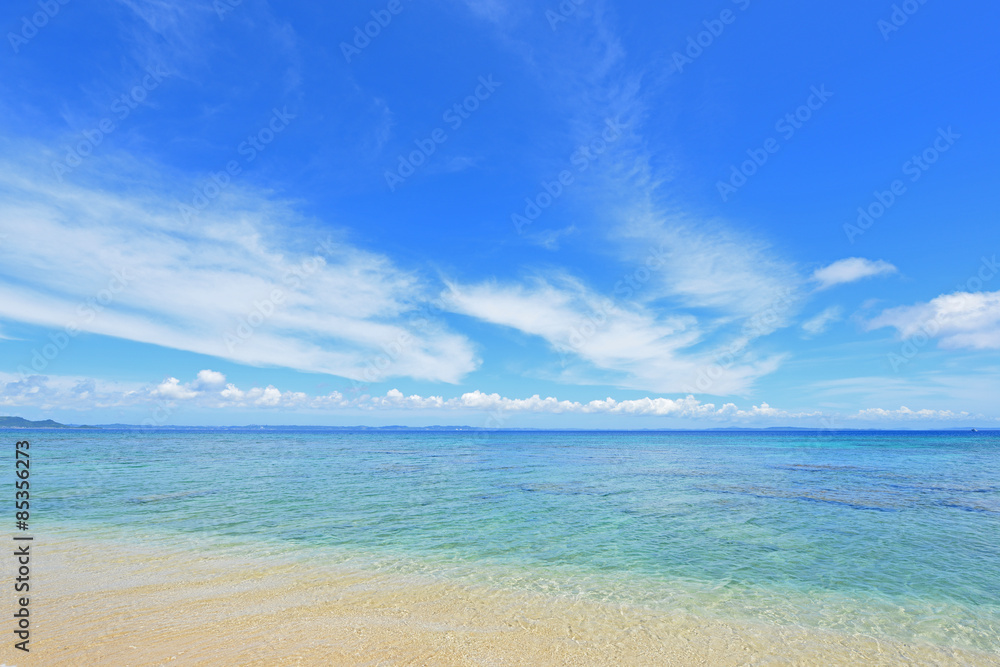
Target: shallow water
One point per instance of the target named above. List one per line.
(890, 535)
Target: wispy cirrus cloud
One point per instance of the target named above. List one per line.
(714, 290)
(958, 392)
(709, 265)
(239, 283)
(180, 33)
(550, 238)
(639, 347)
(822, 320)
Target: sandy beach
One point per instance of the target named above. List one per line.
(106, 604)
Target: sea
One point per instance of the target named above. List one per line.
(886, 534)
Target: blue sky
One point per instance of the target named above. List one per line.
(500, 213)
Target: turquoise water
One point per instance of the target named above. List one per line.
(888, 534)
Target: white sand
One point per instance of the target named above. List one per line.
(97, 603)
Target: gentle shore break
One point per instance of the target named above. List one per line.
(109, 604)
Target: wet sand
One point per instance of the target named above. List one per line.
(99, 603)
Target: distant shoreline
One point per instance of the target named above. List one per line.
(277, 428)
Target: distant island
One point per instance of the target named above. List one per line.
(20, 422)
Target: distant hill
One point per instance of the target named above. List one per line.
(20, 422)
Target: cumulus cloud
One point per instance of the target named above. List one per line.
(850, 270)
(85, 394)
(232, 393)
(208, 379)
(270, 396)
(962, 320)
(688, 406)
(163, 400)
(172, 389)
(71, 392)
(906, 414)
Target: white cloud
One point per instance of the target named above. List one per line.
(821, 322)
(637, 347)
(208, 379)
(708, 265)
(549, 238)
(849, 270)
(232, 393)
(172, 389)
(906, 414)
(491, 10)
(163, 400)
(970, 391)
(85, 393)
(69, 392)
(688, 407)
(269, 397)
(960, 320)
(177, 33)
(727, 287)
(230, 284)
(736, 285)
